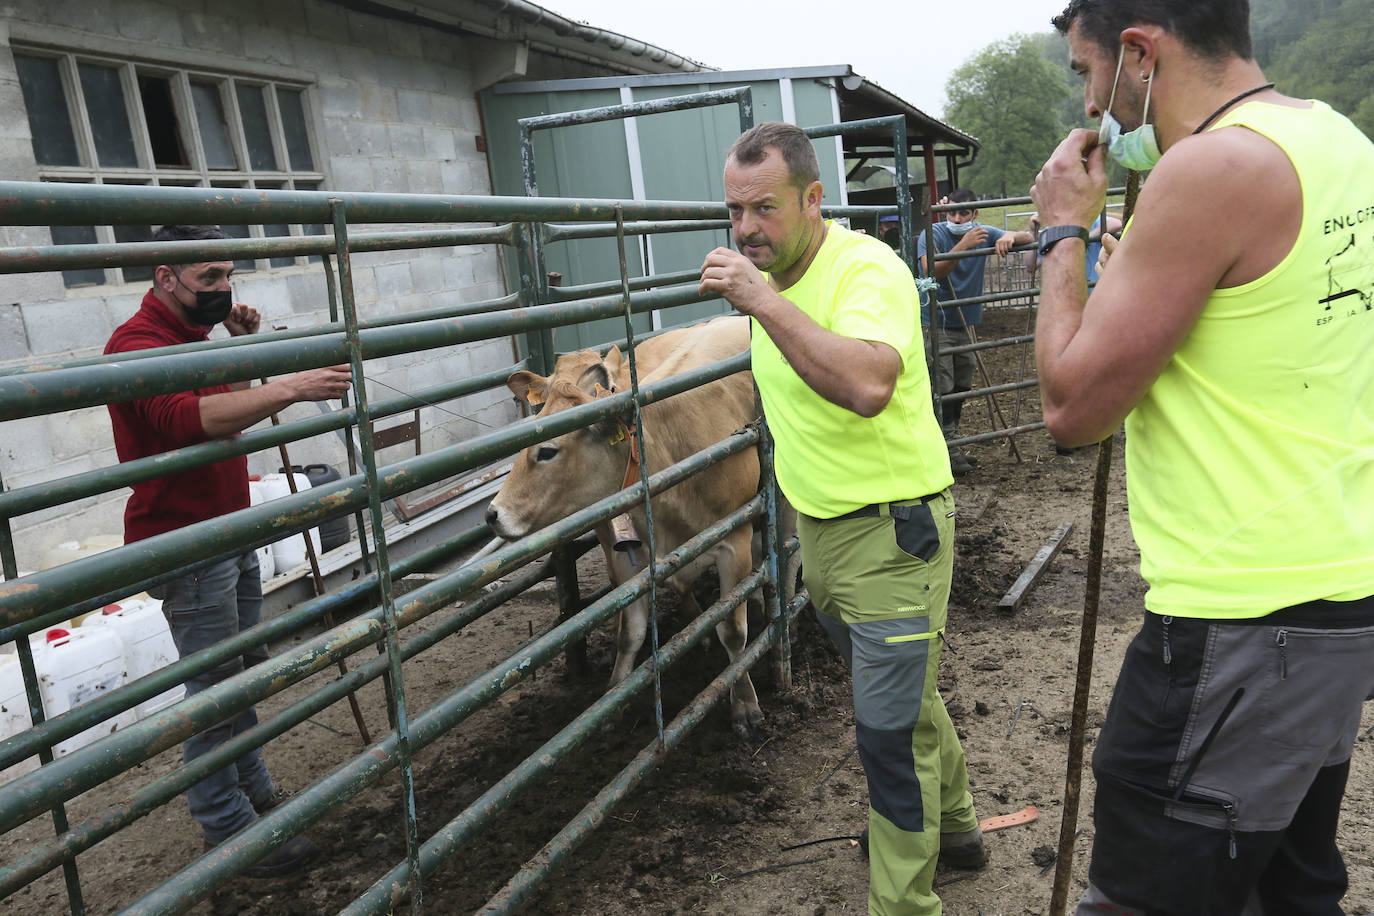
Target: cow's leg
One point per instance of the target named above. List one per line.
(733, 564)
(632, 623)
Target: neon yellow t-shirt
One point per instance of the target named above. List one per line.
(830, 460)
(1251, 459)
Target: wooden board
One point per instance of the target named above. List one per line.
(1034, 570)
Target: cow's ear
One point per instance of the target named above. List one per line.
(528, 385)
(594, 375)
(612, 361)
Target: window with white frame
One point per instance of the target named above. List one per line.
(107, 121)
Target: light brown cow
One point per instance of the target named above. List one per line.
(555, 478)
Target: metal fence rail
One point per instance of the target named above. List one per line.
(382, 615)
(34, 601)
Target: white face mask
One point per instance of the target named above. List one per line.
(961, 228)
(1138, 149)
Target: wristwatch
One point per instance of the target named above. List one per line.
(1052, 234)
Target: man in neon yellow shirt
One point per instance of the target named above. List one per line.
(1242, 368)
(838, 359)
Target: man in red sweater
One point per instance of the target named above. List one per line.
(204, 607)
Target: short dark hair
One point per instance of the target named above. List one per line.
(187, 234)
(1215, 28)
(962, 196)
(752, 148)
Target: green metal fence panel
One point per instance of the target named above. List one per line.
(33, 601)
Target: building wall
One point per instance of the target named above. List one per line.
(392, 107)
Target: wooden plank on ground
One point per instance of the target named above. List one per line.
(1034, 570)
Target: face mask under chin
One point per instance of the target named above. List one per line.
(961, 228)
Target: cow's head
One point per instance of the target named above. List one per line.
(553, 479)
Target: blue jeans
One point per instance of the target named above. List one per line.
(204, 608)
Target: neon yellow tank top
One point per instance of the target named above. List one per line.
(1251, 459)
(829, 460)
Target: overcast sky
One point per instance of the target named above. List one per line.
(909, 47)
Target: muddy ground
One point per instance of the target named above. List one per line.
(710, 831)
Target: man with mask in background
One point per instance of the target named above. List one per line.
(211, 604)
(1240, 362)
(961, 279)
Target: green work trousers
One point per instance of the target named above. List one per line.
(879, 580)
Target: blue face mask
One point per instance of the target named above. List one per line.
(961, 228)
(1138, 149)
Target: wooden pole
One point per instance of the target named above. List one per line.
(1073, 773)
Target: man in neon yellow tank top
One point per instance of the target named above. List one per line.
(837, 355)
(1241, 363)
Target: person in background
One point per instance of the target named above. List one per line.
(185, 303)
(1241, 367)
(1094, 253)
(959, 279)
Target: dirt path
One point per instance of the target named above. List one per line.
(708, 832)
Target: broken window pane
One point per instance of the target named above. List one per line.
(262, 155)
(164, 127)
(109, 116)
(50, 122)
(214, 129)
(293, 127)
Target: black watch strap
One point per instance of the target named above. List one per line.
(1052, 234)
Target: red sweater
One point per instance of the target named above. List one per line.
(168, 421)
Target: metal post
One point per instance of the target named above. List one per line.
(332, 290)
(396, 697)
(903, 181)
(565, 577)
(10, 567)
(776, 589)
(643, 473)
(934, 314)
(528, 261)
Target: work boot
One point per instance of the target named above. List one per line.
(263, 805)
(960, 463)
(283, 860)
(965, 850)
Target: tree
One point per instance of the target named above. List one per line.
(1055, 49)
(1331, 61)
(1009, 97)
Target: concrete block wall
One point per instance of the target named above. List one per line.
(393, 108)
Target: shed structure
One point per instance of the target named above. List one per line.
(680, 155)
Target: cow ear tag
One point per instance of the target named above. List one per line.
(533, 398)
